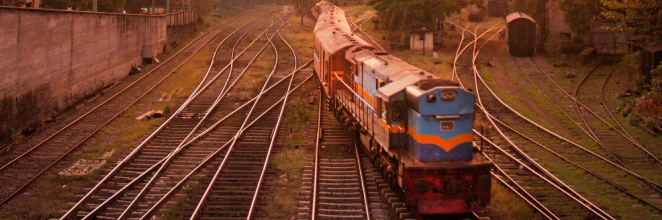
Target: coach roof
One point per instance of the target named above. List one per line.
(518, 15)
(332, 30)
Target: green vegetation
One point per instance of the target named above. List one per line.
(284, 199)
(579, 14)
(404, 15)
(640, 17)
(506, 205)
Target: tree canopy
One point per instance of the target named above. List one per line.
(405, 15)
(303, 8)
(639, 16)
(579, 14)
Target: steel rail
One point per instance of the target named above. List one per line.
(641, 147)
(560, 109)
(121, 91)
(200, 205)
(318, 139)
(538, 206)
(370, 37)
(218, 150)
(567, 190)
(365, 195)
(590, 131)
(604, 105)
(628, 137)
(109, 120)
(170, 157)
(555, 182)
(527, 197)
(275, 131)
(656, 186)
(474, 42)
(135, 151)
(619, 187)
(522, 196)
(570, 142)
(457, 55)
(653, 185)
(172, 153)
(596, 138)
(205, 132)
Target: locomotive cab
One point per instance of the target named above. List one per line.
(440, 172)
(440, 120)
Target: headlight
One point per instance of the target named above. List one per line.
(448, 95)
(431, 98)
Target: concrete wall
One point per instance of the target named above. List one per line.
(415, 42)
(50, 59)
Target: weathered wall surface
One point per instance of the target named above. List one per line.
(415, 42)
(49, 59)
(176, 33)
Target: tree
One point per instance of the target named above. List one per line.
(639, 16)
(413, 14)
(303, 8)
(578, 14)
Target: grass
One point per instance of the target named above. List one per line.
(441, 67)
(290, 161)
(284, 198)
(300, 38)
(506, 205)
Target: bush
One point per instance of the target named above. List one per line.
(167, 109)
(627, 109)
(577, 39)
(633, 118)
(649, 123)
(553, 47)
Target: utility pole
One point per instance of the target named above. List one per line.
(167, 7)
(94, 5)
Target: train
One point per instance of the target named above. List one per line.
(416, 127)
(521, 34)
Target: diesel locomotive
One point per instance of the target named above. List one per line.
(417, 127)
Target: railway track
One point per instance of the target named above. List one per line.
(648, 192)
(233, 191)
(32, 158)
(523, 137)
(340, 181)
(148, 158)
(552, 198)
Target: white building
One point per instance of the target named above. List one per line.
(421, 39)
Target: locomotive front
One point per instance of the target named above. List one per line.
(441, 172)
